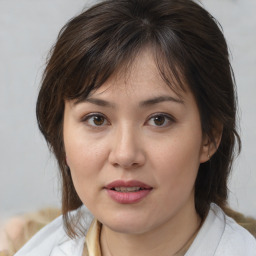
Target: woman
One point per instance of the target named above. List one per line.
(138, 105)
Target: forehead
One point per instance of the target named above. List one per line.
(142, 76)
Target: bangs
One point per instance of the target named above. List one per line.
(109, 49)
(88, 77)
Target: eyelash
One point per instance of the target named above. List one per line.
(87, 118)
(167, 118)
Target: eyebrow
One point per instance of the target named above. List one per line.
(159, 100)
(99, 102)
(149, 102)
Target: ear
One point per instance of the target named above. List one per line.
(209, 146)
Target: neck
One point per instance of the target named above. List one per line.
(168, 239)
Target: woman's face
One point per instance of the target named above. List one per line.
(134, 148)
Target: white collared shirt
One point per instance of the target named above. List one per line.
(218, 236)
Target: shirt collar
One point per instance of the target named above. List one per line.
(92, 240)
(210, 234)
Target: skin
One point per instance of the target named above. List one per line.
(160, 144)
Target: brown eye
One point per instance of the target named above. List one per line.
(160, 120)
(95, 120)
(98, 120)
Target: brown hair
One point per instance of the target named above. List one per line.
(188, 45)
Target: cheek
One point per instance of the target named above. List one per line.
(176, 177)
(85, 165)
(177, 161)
(85, 158)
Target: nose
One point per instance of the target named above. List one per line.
(127, 149)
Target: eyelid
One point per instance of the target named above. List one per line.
(86, 117)
(167, 116)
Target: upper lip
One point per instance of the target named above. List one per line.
(130, 183)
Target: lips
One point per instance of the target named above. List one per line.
(127, 192)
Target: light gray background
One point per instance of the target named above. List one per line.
(28, 28)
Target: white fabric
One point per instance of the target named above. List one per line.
(219, 236)
(222, 236)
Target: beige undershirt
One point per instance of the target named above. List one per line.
(92, 241)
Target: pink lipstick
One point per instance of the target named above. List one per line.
(127, 192)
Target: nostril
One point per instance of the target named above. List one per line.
(126, 157)
(126, 166)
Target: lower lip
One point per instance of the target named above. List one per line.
(128, 197)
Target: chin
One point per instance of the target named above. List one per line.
(128, 224)
(127, 228)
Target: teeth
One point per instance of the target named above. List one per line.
(127, 189)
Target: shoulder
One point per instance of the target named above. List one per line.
(220, 235)
(45, 240)
(53, 240)
(236, 240)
